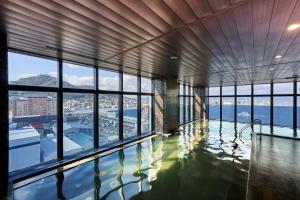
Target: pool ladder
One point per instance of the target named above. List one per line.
(255, 121)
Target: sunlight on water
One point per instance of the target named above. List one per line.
(206, 160)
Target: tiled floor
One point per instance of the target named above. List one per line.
(274, 169)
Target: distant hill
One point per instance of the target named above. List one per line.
(46, 81)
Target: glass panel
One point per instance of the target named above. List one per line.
(32, 128)
(109, 80)
(78, 122)
(214, 91)
(214, 108)
(228, 108)
(229, 90)
(192, 91)
(187, 90)
(129, 116)
(181, 111)
(283, 116)
(283, 88)
(298, 87)
(244, 109)
(108, 118)
(262, 89)
(262, 111)
(32, 71)
(192, 108)
(187, 109)
(130, 83)
(146, 85)
(77, 76)
(181, 91)
(146, 120)
(243, 90)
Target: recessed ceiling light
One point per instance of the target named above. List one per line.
(173, 57)
(278, 56)
(272, 68)
(293, 27)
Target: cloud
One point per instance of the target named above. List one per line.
(130, 83)
(79, 80)
(109, 83)
(72, 66)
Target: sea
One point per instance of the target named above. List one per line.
(283, 115)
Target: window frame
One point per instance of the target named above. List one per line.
(31, 171)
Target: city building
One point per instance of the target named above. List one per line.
(150, 99)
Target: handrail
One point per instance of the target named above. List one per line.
(255, 121)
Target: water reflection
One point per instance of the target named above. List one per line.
(199, 163)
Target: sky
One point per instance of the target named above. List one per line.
(24, 66)
(279, 88)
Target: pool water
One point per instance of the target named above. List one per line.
(199, 163)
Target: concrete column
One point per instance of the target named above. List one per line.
(172, 105)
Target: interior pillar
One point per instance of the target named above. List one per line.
(172, 105)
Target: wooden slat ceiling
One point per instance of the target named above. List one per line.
(217, 41)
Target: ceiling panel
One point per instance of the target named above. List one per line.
(216, 41)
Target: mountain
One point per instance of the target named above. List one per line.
(46, 81)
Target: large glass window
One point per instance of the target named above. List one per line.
(228, 108)
(108, 119)
(146, 114)
(262, 109)
(33, 116)
(32, 71)
(283, 88)
(214, 91)
(228, 90)
(129, 116)
(181, 89)
(262, 89)
(214, 108)
(243, 90)
(77, 76)
(181, 109)
(187, 109)
(283, 115)
(146, 85)
(32, 128)
(130, 83)
(78, 122)
(109, 80)
(243, 109)
(192, 108)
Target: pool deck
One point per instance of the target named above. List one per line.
(274, 169)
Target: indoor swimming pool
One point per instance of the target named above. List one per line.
(199, 163)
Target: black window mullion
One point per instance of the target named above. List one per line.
(60, 111)
(207, 104)
(235, 103)
(152, 107)
(221, 104)
(295, 108)
(96, 109)
(252, 104)
(121, 117)
(139, 111)
(272, 108)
